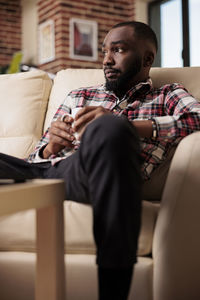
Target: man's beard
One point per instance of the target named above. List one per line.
(119, 86)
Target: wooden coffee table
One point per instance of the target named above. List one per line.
(46, 196)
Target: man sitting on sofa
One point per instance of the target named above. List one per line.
(126, 129)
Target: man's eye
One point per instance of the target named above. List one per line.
(119, 50)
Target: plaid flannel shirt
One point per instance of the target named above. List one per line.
(174, 110)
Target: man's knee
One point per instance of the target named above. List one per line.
(110, 128)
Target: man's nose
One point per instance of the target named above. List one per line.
(108, 59)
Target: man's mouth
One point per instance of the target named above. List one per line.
(111, 73)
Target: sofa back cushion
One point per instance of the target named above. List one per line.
(23, 104)
(69, 79)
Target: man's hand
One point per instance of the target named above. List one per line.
(61, 135)
(86, 115)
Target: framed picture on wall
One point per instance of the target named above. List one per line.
(83, 39)
(46, 42)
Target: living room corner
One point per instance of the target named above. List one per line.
(47, 49)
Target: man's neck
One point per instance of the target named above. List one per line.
(122, 92)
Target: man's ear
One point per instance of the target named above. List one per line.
(148, 59)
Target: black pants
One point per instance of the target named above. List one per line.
(104, 172)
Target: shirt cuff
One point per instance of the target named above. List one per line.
(166, 127)
(38, 156)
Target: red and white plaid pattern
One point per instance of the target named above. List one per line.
(174, 110)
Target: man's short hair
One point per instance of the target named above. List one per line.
(142, 30)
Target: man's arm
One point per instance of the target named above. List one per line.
(182, 117)
(182, 114)
(144, 128)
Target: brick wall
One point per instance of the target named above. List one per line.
(106, 13)
(10, 30)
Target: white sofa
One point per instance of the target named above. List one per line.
(168, 265)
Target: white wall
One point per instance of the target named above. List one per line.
(141, 10)
(29, 31)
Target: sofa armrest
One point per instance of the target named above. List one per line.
(176, 245)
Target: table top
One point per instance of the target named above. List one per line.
(35, 193)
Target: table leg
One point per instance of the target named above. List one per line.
(50, 276)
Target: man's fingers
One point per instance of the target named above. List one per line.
(85, 110)
(57, 142)
(66, 119)
(62, 125)
(82, 120)
(63, 133)
(55, 139)
(87, 114)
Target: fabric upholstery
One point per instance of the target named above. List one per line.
(81, 277)
(188, 76)
(23, 104)
(17, 232)
(176, 244)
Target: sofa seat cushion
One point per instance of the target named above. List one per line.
(17, 277)
(23, 101)
(17, 232)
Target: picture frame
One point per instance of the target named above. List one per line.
(46, 42)
(83, 39)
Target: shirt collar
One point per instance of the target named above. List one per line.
(138, 90)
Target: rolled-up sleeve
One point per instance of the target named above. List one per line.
(182, 115)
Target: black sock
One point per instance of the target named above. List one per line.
(114, 283)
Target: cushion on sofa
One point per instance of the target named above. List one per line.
(23, 101)
(17, 232)
(188, 77)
